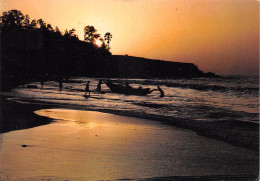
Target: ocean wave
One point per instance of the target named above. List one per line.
(213, 87)
(222, 85)
(151, 105)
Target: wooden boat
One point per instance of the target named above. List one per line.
(127, 90)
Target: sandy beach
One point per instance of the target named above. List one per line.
(88, 145)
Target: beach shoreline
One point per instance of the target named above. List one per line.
(46, 136)
(246, 135)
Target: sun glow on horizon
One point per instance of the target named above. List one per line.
(220, 36)
(98, 43)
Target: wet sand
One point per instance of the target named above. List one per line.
(18, 114)
(87, 145)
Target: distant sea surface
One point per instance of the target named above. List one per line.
(202, 99)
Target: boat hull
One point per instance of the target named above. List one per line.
(117, 88)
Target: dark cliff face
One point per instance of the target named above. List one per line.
(136, 67)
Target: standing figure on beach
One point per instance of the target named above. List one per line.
(127, 85)
(99, 86)
(161, 91)
(60, 84)
(87, 88)
(42, 82)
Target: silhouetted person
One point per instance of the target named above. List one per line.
(161, 91)
(99, 86)
(87, 88)
(127, 85)
(42, 82)
(60, 84)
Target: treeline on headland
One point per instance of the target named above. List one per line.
(32, 50)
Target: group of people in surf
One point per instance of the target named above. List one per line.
(98, 89)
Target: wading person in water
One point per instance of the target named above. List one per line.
(161, 91)
(87, 88)
(99, 86)
(42, 82)
(60, 84)
(127, 85)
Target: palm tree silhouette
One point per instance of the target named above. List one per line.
(58, 32)
(90, 34)
(108, 37)
(69, 34)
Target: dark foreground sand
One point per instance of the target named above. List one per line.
(97, 146)
(20, 115)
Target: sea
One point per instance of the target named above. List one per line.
(200, 99)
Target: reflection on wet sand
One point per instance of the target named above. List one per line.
(93, 146)
(1, 140)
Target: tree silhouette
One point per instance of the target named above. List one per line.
(108, 37)
(57, 31)
(26, 22)
(13, 19)
(103, 44)
(41, 24)
(90, 34)
(49, 27)
(70, 34)
(33, 24)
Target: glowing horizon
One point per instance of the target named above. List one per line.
(220, 36)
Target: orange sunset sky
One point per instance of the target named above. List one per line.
(221, 36)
